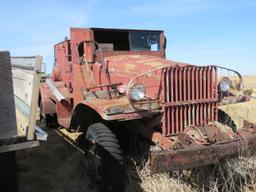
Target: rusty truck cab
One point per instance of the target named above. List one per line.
(82, 66)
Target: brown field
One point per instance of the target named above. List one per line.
(249, 82)
(56, 166)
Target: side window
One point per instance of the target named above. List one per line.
(112, 40)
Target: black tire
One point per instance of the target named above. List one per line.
(107, 149)
(225, 119)
(47, 120)
(44, 121)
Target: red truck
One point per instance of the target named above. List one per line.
(112, 84)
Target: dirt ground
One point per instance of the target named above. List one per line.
(56, 166)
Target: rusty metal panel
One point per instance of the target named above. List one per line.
(8, 127)
(224, 144)
(170, 160)
(189, 97)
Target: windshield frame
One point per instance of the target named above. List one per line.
(102, 30)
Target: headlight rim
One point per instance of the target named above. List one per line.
(225, 82)
(138, 87)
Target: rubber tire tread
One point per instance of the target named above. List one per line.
(109, 151)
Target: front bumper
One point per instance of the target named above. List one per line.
(200, 155)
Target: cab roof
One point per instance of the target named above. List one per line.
(117, 29)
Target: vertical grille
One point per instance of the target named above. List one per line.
(189, 97)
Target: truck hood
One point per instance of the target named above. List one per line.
(132, 65)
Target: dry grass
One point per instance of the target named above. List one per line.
(241, 111)
(249, 82)
(232, 175)
(161, 182)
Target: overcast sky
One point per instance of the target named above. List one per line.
(221, 32)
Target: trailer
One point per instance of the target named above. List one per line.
(19, 91)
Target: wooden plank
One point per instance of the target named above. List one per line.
(19, 146)
(34, 98)
(22, 84)
(8, 128)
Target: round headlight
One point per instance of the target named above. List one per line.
(225, 85)
(138, 92)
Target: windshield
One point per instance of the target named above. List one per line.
(115, 40)
(144, 41)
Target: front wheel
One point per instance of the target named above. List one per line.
(104, 157)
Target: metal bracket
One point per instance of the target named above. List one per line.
(55, 91)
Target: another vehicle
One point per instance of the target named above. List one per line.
(19, 90)
(105, 81)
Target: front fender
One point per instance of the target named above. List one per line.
(111, 109)
(47, 100)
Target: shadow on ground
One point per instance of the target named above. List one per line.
(55, 166)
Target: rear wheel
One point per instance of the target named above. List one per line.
(104, 157)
